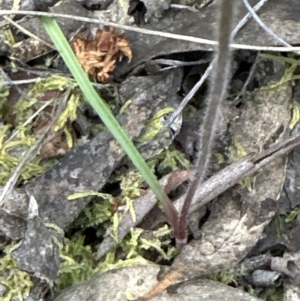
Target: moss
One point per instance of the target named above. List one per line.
(4, 92)
(219, 157)
(98, 211)
(17, 282)
(17, 138)
(272, 294)
(154, 125)
(78, 262)
(295, 115)
(9, 37)
(228, 276)
(247, 183)
(133, 248)
(239, 149)
(169, 159)
(130, 246)
(76, 265)
(225, 276)
(70, 112)
(161, 242)
(10, 153)
(240, 152)
(292, 64)
(105, 211)
(292, 215)
(77, 259)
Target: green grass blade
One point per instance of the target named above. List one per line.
(104, 112)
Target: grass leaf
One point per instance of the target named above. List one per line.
(105, 114)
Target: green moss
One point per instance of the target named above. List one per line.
(70, 112)
(273, 293)
(292, 215)
(97, 212)
(10, 153)
(4, 92)
(17, 282)
(228, 276)
(295, 115)
(130, 245)
(9, 37)
(130, 185)
(133, 247)
(161, 242)
(17, 138)
(247, 183)
(154, 125)
(169, 159)
(101, 214)
(292, 64)
(220, 157)
(239, 149)
(225, 276)
(76, 265)
(78, 261)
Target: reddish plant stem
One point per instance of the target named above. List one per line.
(220, 78)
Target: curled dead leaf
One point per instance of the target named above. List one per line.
(99, 54)
(55, 142)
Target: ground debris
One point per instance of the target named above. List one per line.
(99, 54)
(88, 167)
(132, 282)
(239, 216)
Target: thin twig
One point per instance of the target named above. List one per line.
(179, 6)
(19, 82)
(203, 78)
(151, 32)
(10, 82)
(177, 63)
(264, 26)
(247, 17)
(27, 32)
(250, 75)
(34, 80)
(188, 97)
(46, 104)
